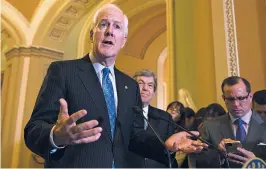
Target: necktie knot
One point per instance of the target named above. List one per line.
(240, 132)
(239, 122)
(106, 71)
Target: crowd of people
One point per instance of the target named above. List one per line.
(215, 123)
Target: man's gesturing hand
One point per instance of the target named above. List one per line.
(67, 132)
(181, 142)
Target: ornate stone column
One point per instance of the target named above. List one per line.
(190, 50)
(24, 73)
(181, 46)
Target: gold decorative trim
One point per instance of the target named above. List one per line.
(231, 40)
(5, 34)
(34, 51)
(68, 18)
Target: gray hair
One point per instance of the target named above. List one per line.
(96, 14)
(147, 73)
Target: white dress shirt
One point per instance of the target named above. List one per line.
(246, 120)
(145, 113)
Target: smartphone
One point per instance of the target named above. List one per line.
(232, 147)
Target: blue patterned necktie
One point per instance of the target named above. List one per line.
(109, 98)
(240, 131)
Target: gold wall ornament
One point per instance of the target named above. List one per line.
(62, 25)
(231, 39)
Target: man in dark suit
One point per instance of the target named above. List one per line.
(147, 82)
(83, 115)
(240, 123)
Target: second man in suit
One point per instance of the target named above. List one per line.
(240, 123)
(147, 82)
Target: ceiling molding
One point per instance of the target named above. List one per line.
(148, 43)
(144, 7)
(67, 18)
(34, 51)
(15, 23)
(141, 51)
(146, 34)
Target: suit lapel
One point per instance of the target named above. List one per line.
(122, 89)
(91, 82)
(152, 120)
(253, 131)
(226, 127)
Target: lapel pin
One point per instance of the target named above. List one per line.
(126, 87)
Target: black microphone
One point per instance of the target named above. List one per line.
(140, 111)
(194, 137)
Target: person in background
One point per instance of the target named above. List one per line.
(188, 119)
(199, 118)
(259, 102)
(174, 108)
(214, 110)
(240, 123)
(147, 82)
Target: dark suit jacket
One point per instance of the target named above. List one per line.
(220, 128)
(165, 130)
(76, 81)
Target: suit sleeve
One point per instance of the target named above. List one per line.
(209, 157)
(44, 115)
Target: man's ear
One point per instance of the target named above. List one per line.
(154, 94)
(91, 35)
(124, 42)
(251, 95)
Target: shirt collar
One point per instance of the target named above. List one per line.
(245, 118)
(146, 109)
(99, 67)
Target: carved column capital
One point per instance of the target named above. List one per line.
(34, 51)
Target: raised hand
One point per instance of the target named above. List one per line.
(67, 132)
(181, 142)
(221, 146)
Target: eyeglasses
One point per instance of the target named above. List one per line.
(240, 98)
(174, 110)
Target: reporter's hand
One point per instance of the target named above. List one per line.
(242, 156)
(181, 142)
(67, 132)
(221, 146)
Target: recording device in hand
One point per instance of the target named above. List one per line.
(137, 109)
(232, 145)
(195, 137)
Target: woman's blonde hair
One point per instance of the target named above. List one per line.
(185, 98)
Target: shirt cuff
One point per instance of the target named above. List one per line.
(52, 140)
